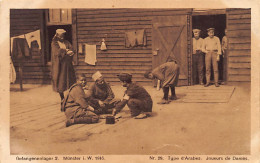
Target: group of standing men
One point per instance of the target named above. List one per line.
(213, 50)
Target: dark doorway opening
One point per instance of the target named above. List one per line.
(203, 22)
(51, 31)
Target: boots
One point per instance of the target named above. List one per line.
(82, 120)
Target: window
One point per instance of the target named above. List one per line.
(59, 17)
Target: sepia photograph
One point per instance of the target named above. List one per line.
(170, 84)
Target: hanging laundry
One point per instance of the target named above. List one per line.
(20, 49)
(141, 37)
(130, 39)
(90, 54)
(12, 74)
(33, 36)
(80, 48)
(135, 38)
(12, 40)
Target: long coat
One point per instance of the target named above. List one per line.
(63, 73)
(168, 73)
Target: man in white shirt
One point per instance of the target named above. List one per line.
(197, 57)
(212, 48)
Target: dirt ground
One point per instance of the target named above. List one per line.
(177, 128)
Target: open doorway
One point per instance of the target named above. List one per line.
(203, 22)
(51, 31)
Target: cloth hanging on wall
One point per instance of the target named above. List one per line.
(141, 37)
(130, 39)
(12, 40)
(33, 36)
(12, 74)
(90, 54)
(135, 38)
(80, 48)
(20, 48)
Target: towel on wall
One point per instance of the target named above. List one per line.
(12, 74)
(141, 37)
(80, 48)
(33, 36)
(135, 38)
(130, 39)
(90, 54)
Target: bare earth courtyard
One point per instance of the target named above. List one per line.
(38, 127)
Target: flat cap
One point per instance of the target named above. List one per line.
(124, 76)
(211, 29)
(96, 75)
(196, 30)
(60, 31)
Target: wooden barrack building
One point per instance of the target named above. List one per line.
(168, 32)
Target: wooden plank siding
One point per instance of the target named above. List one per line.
(239, 35)
(23, 21)
(111, 24)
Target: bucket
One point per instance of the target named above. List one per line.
(110, 120)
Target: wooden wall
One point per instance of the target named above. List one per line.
(23, 21)
(93, 25)
(239, 35)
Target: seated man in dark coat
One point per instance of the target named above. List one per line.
(76, 108)
(100, 95)
(168, 74)
(136, 97)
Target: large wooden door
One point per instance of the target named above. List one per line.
(170, 37)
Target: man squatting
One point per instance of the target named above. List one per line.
(100, 95)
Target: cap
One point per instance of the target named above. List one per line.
(196, 30)
(60, 31)
(211, 29)
(124, 76)
(96, 76)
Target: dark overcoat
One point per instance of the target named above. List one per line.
(168, 73)
(63, 73)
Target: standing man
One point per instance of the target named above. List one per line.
(197, 57)
(224, 46)
(75, 106)
(212, 48)
(168, 74)
(136, 97)
(63, 74)
(100, 95)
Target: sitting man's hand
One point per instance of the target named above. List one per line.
(91, 108)
(126, 97)
(114, 112)
(101, 104)
(98, 111)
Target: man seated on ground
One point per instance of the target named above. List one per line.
(136, 97)
(168, 74)
(100, 95)
(76, 108)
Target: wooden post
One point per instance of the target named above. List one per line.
(21, 75)
(74, 36)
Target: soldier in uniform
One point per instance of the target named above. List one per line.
(212, 48)
(100, 95)
(75, 106)
(136, 97)
(197, 57)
